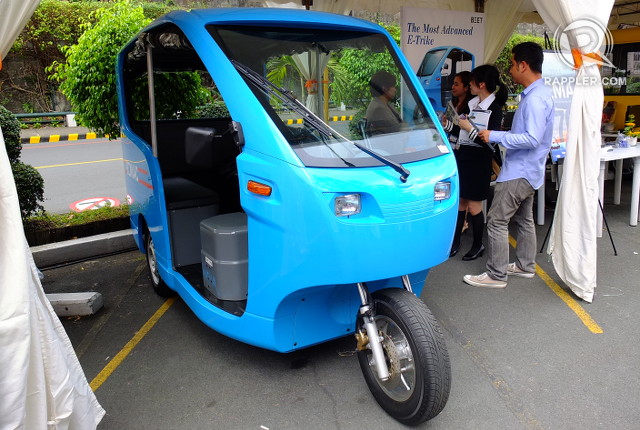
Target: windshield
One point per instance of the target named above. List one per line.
(430, 62)
(350, 82)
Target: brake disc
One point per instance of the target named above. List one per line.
(392, 356)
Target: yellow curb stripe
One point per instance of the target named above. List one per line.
(54, 138)
(73, 136)
(301, 120)
(573, 305)
(34, 139)
(76, 164)
(586, 319)
(120, 356)
(91, 135)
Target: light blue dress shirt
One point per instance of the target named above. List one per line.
(529, 141)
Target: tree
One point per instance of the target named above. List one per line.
(349, 71)
(88, 77)
(55, 24)
(29, 182)
(355, 68)
(503, 63)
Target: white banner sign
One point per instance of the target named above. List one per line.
(439, 44)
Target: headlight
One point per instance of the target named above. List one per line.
(347, 205)
(442, 191)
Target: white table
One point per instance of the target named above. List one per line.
(619, 154)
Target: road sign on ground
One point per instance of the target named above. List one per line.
(94, 203)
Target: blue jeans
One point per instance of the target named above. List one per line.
(512, 200)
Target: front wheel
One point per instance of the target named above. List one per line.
(416, 355)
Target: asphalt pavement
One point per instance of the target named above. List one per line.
(525, 357)
(78, 172)
(531, 356)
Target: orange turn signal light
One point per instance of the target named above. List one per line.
(258, 188)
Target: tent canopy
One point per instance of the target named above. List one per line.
(501, 15)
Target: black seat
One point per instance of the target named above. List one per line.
(181, 193)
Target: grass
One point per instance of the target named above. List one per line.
(48, 221)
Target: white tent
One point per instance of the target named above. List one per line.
(573, 240)
(572, 243)
(502, 15)
(311, 67)
(42, 385)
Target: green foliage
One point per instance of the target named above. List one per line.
(177, 95)
(349, 71)
(355, 68)
(359, 66)
(153, 10)
(215, 109)
(393, 30)
(633, 87)
(47, 221)
(354, 124)
(282, 67)
(11, 132)
(53, 25)
(30, 186)
(29, 182)
(503, 63)
(88, 77)
(56, 24)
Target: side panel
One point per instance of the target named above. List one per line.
(144, 188)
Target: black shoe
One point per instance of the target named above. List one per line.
(473, 255)
(454, 251)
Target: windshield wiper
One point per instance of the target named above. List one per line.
(287, 97)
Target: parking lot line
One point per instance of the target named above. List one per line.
(104, 374)
(120, 356)
(565, 297)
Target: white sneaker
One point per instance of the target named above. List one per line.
(514, 270)
(484, 280)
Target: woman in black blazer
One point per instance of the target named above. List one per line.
(474, 156)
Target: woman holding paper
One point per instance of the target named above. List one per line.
(461, 94)
(474, 156)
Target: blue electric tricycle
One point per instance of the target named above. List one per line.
(437, 70)
(285, 220)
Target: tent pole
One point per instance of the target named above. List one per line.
(152, 103)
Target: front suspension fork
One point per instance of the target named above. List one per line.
(374, 340)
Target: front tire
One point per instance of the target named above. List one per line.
(159, 286)
(420, 373)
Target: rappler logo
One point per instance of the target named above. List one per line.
(590, 37)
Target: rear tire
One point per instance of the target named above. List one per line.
(159, 286)
(420, 373)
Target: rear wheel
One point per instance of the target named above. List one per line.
(158, 284)
(416, 355)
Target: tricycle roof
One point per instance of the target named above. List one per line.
(263, 16)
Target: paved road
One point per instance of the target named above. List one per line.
(521, 357)
(76, 170)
